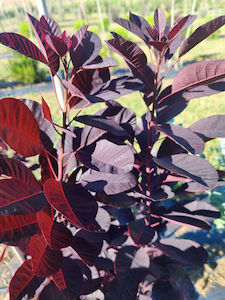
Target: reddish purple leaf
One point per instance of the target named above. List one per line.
(57, 235)
(46, 111)
(190, 166)
(45, 261)
(16, 228)
(129, 51)
(183, 251)
(50, 25)
(200, 34)
(183, 137)
(107, 157)
(68, 198)
(210, 127)
(24, 283)
(181, 25)
(51, 57)
(22, 136)
(57, 44)
(22, 45)
(158, 45)
(85, 250)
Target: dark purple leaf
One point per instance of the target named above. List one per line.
(169, 147)
(200, 34)
(183, 137)
(45, 261)
(142, 24)
(194, 81)
(141, 233)
(121, 200)
(103, 123)
(51, 292)
(110, 184)
(181, 25)
(210, 127)
(85, 250)
(164, 287)
(107, 157)
(200, 208)
(69, 278)
(193, 221)
(51, 57)
(22, 45)
(129, 51)
(68, 198)
(183, 251)
(78, 36)
(115, 88)
(190, 166)
(84, 49)
(24, 283)
(160, 22)
(131, 267)
(132, 27)
(23, 137)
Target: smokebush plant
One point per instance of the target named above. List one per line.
(99, 219)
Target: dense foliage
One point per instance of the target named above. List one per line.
(99, 218)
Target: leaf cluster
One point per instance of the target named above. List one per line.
(99, 217)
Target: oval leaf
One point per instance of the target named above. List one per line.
(183, 137)
(18, 127)
(196, 168)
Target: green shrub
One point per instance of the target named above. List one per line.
(25, 70)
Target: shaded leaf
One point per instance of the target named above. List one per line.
(190, 166)
(141, 233)
(183, 251)
(184, 137)
(122, 200)
(85, 48)
(110, 184)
